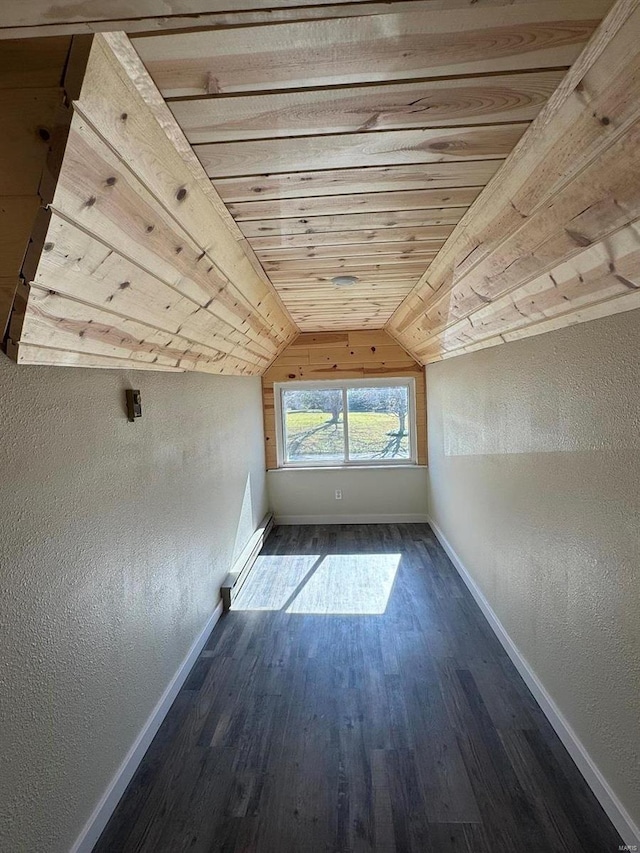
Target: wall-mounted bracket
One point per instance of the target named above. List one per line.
(134, 404)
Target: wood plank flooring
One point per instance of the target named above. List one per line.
(356, 710)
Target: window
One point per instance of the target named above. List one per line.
(361, 422)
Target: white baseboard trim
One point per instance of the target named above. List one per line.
(617, 813)
(383, 518)
(99, 818)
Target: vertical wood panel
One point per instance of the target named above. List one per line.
(342, 355)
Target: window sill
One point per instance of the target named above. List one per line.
(408, 467)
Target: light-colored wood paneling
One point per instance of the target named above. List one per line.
(342, 138)
(354, 222)
(342, 355)
(149, 138)
(556, 234)
(132, 223)
(431, 43)
(475, 100)
(386, 252)
(54, 321)
(409, 176)
(602, 273)
(368, 304)
(345, 151)
(363, 203)
(344, 238)
(323, 265)
(79, 17)
(84, 17)
(139, 260)
(61, 358)
(381, 274)
(376, 128)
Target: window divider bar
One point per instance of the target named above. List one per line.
(345, 421)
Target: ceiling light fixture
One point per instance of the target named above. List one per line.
(344, 280)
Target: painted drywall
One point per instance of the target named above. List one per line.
(307, 496)
(115, 538)
(534, 479)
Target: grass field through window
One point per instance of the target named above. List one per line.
(314, 435)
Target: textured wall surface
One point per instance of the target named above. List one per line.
(534, 452)
(115, 538)
(367, 494)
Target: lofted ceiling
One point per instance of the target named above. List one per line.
(472, 163)
(353, 146)
(134, 260)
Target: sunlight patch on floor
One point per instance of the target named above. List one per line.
(344, 584)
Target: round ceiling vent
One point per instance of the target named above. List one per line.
(344, 280)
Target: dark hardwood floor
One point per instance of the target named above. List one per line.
(331, 719)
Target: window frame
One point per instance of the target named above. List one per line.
(344, 384)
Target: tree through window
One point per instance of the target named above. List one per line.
(377, 428)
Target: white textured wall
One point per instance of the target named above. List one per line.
(368, 494)
(114, 540)
(534, 453)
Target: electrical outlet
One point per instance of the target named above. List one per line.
(338, 494)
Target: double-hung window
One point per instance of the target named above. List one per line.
(353, 422)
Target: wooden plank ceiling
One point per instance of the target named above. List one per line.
(353, 143)
(475, 164)
(135, 261)
(555, 239)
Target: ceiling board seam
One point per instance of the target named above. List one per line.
(477, 344)
(556, 189)
(447, 205)
(367, 84)
(148, 364)
(148, 272)
(374, 131)
(275, 174)
(120, 44)
(148, 325)
(543, 270)
(95, 25)
(259, 199)
(180, 227)
(603, 35)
